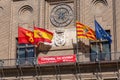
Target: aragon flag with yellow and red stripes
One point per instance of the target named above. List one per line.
(84, 31)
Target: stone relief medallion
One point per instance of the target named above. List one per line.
(59, 39)
(61, 15)
(25, 13)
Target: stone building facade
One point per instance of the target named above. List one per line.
(59, 17)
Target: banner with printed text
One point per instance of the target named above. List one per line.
(56, 59)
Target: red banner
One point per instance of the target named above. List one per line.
(56, 59)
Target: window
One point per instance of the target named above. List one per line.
(25, 54)
(100, 50)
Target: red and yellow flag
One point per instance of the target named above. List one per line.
(25, 36)
(84, 31)
(42, 35)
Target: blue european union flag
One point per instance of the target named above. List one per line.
(101, 33)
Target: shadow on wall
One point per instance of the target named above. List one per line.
(82, 47)
(43, 48)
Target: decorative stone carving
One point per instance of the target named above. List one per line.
(100, 1)
(25, 13)
(61, 15)
(59, 38)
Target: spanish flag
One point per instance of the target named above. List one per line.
(42, 35)
(84, 31)
(25, 36)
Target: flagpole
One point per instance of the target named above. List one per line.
(77, 56)
(97, 50)
(18, 59)
(100, 45)
(34, 43)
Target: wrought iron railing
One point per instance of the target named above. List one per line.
(84, 57)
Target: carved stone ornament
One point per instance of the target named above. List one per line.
(61, 15)
(59, 38)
